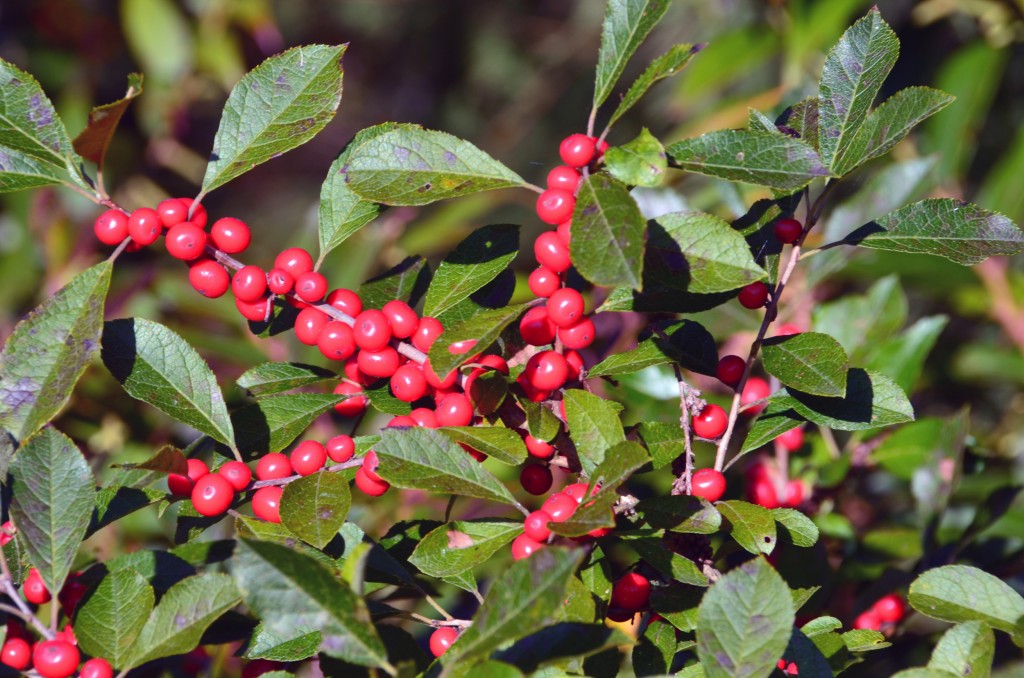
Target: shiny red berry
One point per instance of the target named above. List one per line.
(336, 340)
(236, 473)
(788, 230)
(186, 241)
(111, 227)
(546, 370)
(295, 260)
(427, 331)
(555, 205)
(578, 336)
(442, 639)
(208, 278)
(730, 369)
(761, 491)
(266, 503)
(408, 383)
(524, 547)
(308, 325)
(212, 495)
(454, 410)
(96, 668)
(310, 286)
(355, 404)
(711, 422)
(560, 506)
(280, 281)
(172, 212)
(401, 317)
(544, 282)
(577, 150)
(551, 252)
(145, 226)
(792, 440)
(199, 214)
(632, 592)
(230, 235)
(890, 608)
(424, 416)
(535, 479)
(565, 307)
(249, 283)
(868, 620)
(16, 653)
(564, 177)
(381, 364)
(372, 330)
(273, 466)
(536, 328)
(538, 448)
(578, 491)
(340, 448)
(707, 483)
(755, 389)
(346, 301)
(435, 381)
(34, 589)
(536, 525)
(182, 484)
(754, 295)
(308, 457)
(55, 658)
(369, 486)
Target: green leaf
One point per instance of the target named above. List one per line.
(270, 378)
(959, 231)
(665, 442)
(158, 367)
(461, 545)
(752, 526)
(168, 459)
(668, 64)
(593, 424)
(777, 418)
(902, 357)
(681, 513)
(608, 233)
(111, 616)
(521, 600)
(117, 501)
(33, 141)
(796, 528)
(809, 362)
(406, 281)
(541, 422)
(759, 122)
(641, 162)
(272, 423)
(672, 565)
(960, 593)
(476, 261)
(342, 213)
(423, 459)
(266, 644)
(685, 342)
(496, 442)
(909, 447)
(889, 123)
(183, 615)
(93, 141)
(282, 103)
(850, 79)
(761, 158)
(484, 328)
(802, 118)
(316, 506)
(702, 253)
(292, 593)
(52, 496)
(872, 400)
(678, 605)
(654, 653)
(626, 25)
(382, 400)
(965, 650)
(409, 165)
(859, 321)
(744, 622)
(47, 352)
(565, 640)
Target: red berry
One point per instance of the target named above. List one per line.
(755, 389)
(356, 402)
(402, 421)
(208, 278)
(308, 457)
(631, 593)
(199, 215)
(373, 488)
(546, 370)
(564, 177)
(16, 653)
(534, 394)
(437, 382)
(353, 373)
(564, 232)
(442, 639)
(408, 383)
(536, 525)
(535, 479)
(308, 325)
(230, 235)
(340, 448)
(578, 491)
(578, 336)
(372, 330)
(310, 286)
(427, 331)
(370, 464)
(96, 668)
(538, 448)
(792, 440)
(551, 252)
(555, 205)
(212, 495)
(536, 328)
(256, 311)
(868, 620)
(787, 329)
(600, 147)
(754, 295)
(273, 466)
(890, 608)
(34, 589)
(145, 226)
(730, 369)
(381, 364)
(346, 301)
(111, 227)
(182, 484)
(336, 340)
(266, 503)
(565, 307)
(185, 241)
(762, 492)
(577, 150)
(249, 283)
(279, 281)
(401, 317)
(560, 506)
(788, 230)
(454, 410)
(794, 494)
(524, 547)
(55, 658)
(295, 260)
(172, 212)
(544, 282)
(425, 417)
(576, 365)
(707, 483)
(711, 422)
(237, 473)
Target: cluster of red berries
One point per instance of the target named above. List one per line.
(789, 668)
(557, 508)
(630, 595)
(885, 612)
(761, 488)
(56, 658)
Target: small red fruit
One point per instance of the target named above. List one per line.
(754, 295)
(34, 589)
(145, 226)
(257, 311)
(308, 325)
(544, 282)
(536, 525)
(249, 283)
(711, 422)
(427, 331)
(96, 668)
(272, 466)
(538, 448)
(707, 483)
(401, 317)
(524, 547)
(454, 410)
(868, 620)
(16, 653)
(367, 485)
(730, 369)
(579, 336)
(564, 177)
(565, 307)
(266, 503)
(577, 150)
(424, 416)
(791, 440)
(208, 278)
(546, 370)
(182, 484)
(341, 448)
(794, 494)
(336, 340)
(310, 286)
(186, 241)
(555, 205)
(551, 252)
(372, 330)
(889, 608)
(346, 301)
(356, 402)
(230, 235)
(631, 593)
(788, 230)
(212, 495)
(279, 281)
(560, 506)
(762, 492)
(535, 479)
(55, 658)
(295, 260)
(380, 364)
(172, 212)
(442, 639)
(199, 215)
(755, 389)
(237, 473)
(408, 383)
(308, 457)
(111, 227)
(536, 328)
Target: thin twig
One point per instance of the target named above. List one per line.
(434, 604)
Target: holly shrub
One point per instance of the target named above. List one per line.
(524, 502)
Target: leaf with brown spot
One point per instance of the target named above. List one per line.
(459, 546)
(315, 507)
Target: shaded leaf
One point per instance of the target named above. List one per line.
(672, 565)
(272, 423)
(626, 25)
(872, 400)
(484, 328)
(752, 526)
(809, 362)
(593, 424)
(496, 442)
(702, 254)
(686, 342)
(315, 507)
(777, 418)
(681, 513)
(568, 639)
(608, 233)
(665, 442)
(960, 593)
(621, 461)
(473, 263)
(802, 118)
(270, 378)
(266, 644)
(965, 650)
(795, 527)
(406, 281)
(168, 459)
(668, 64)
(112, 614)
(93, 141)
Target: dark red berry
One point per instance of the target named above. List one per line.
(788, 230)
(730, 369)
(577, 150)
(707, 483)
(711, 422)
(535, 479)
(631, 593)
(546, 370)
(754, 295)
(536, 328)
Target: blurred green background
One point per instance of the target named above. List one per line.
(513, 77)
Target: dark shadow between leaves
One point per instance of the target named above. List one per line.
(252, 431)
(690, 345)
(408, 280)
(568, 639)
(282, 319)
(126, 500)
(857, 236)
(119, 348)
(855, 406)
